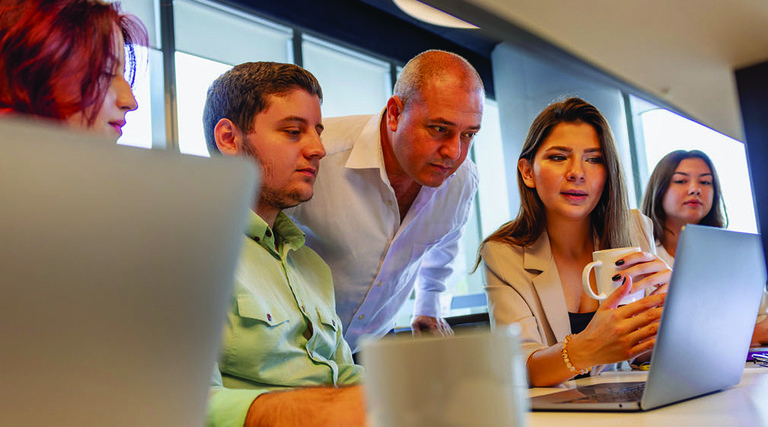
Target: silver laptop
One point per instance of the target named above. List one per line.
(115, 269)
(705, 329)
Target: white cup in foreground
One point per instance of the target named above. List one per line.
(470, 379)
(605, 268)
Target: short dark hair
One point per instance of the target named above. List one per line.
(658, 184)
(243, 92)
(53, 54)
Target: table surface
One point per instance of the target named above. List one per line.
(745, 404)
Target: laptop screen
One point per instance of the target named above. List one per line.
(116, 265)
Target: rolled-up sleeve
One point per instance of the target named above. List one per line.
(438, 263)
(435, 270)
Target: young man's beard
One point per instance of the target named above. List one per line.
(270, 197)
(281, 199)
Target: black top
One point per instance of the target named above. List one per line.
(579, 321)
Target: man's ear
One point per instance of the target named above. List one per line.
(526, 171)
(394, 109)
(226, 134)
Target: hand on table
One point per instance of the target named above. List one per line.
(434, 325)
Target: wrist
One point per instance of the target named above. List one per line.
(573, 359)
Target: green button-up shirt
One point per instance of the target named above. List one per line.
(282, 330)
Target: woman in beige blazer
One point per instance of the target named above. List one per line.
(573, 202)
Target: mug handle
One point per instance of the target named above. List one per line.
(585, 281)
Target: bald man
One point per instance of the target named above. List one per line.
(395, 193)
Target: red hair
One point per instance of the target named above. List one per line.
(56, 55)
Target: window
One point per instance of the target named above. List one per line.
(138, 130)
(193, 77)
(489, 156)
(344, 75)
(227, 35)
(138, 124)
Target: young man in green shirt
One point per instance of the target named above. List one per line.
(284, 361)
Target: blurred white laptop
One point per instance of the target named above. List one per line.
(705, 329)
(116, 265)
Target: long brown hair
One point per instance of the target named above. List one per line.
(610, 217)
(658, 185)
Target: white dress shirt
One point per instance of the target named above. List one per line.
(353, 222)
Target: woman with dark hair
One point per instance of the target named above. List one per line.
(66, 60)
(573, 202)
(684, 188)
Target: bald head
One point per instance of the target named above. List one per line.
(431, 120)
(436, 67)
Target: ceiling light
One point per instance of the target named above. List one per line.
(431, 15)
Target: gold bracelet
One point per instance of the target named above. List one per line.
(567, 360)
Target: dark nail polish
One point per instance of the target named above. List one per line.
(624, 281)
(620, 262)
(616, 277)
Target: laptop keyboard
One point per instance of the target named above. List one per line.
(606, 393)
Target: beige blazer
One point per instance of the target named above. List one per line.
(523, 286)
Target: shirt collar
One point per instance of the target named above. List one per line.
(366, 150)
(290, 235)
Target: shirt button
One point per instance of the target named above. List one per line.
(378, 283)
(269, 317)
(268, 233)
(390, 202)
(361, 317)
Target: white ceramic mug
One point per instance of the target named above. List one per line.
(470, 379)
(605, 268)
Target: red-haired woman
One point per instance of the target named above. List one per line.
(66, 60)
